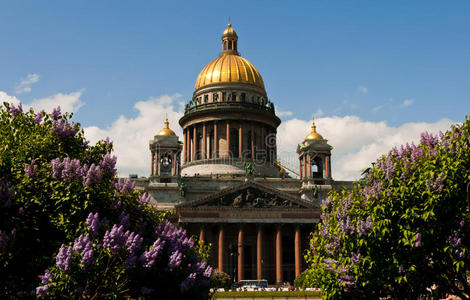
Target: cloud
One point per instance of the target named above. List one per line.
(407, 102)
(70, 102)
(378, 108)
(356, 142)
(362, 89)
(131, 135)
(24, 85)
(286, 113)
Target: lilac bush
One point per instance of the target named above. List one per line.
(402, 228)
(61, 201)
(164, 266)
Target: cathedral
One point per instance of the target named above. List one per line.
(224, 182)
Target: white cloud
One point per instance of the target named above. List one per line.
(318, 113)
(378, 108)
(356, 142)
(286, 113)
(24, 85)
(362, 89)
(68, 102)
(407, 102)
(131, 135)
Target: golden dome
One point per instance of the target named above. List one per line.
(314, 135)
(229, 66)
(166, 130)
(229, 32)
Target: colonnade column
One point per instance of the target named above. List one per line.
(193, 155)
(228, 138)
(216, 141)
(309, 165)
(220, 265)
(240, 140)
(173, 165)
(187, 146)
(204, 142)
(202, 234)
(240, 253)
(278, 254)
(152, 163)
(297, 251)
(259, 253)
(305, 165)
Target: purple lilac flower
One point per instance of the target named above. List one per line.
(115, 239)
(67, 169)
(130, 261)
(208, 272)
(14, 111)
(134, 242)
(3, 239)
(46, 277)
(418, 242)
(149, 257)
(87, 256)
(347, 279)
(63, 129)
(108, 164)
(454, 240)
(38, 117)
(124, 185)
(462, 223)
(30, 170)
(64, 257)
(94, 224)
(92, 176)
(364, 226)
(175, 260)
(124, 220)
(42, 290)
(56, 113)
(145, 199)
(188, 282)
(401, 270)
(356, 257)
(435, 184)
(81, 243)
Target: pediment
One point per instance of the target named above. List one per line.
(248, 195)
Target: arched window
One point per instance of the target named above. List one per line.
(317, 167)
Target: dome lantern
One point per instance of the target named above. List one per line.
(313, 135)
(229, 41)
(166, 130)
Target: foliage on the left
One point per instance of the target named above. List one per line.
(70, 227)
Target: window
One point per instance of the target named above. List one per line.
(224, 96)
(234, 96)
(229, 45)
(215, 96)
(242, 97)
(234, 142)
(206, 98)
(252, 98)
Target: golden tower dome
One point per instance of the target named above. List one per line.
(313, 135)
(229, 66)
(166, 130)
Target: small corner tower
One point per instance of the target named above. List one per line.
(314, 163)
(165, 151)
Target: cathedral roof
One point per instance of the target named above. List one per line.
(229, 66)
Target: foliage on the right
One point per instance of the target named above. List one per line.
(402, 229)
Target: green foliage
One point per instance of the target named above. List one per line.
(401, 229)
(220, 280)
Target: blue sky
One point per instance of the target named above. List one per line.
(396, 62)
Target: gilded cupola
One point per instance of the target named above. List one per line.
(313, 135)
(166, 130)
(229, 67)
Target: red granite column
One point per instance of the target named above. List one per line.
(204, 150)
(297, 252)
(152, 163)
(216, 141)
(305, 165)
(259, 253)
(240, 140)
(193, 156)
(240, 254)
(157, 163)
(279, 255)
(202, 234)
(309, 166)
(252, 141)
(227, 135)
(185, 145)
(173, 165)
(220, 265)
